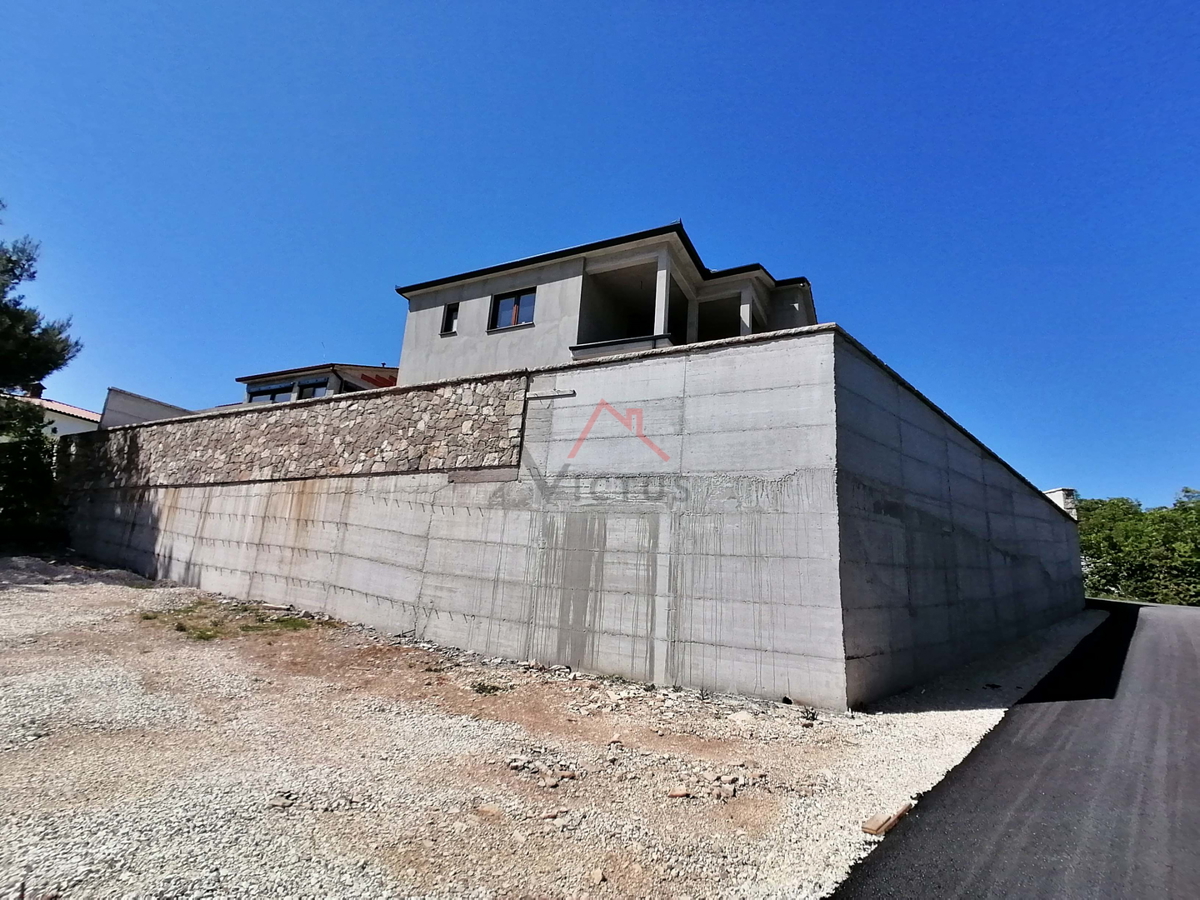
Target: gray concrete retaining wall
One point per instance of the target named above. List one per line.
(946, 552)
(694, 537)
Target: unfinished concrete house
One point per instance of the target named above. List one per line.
(617, 459)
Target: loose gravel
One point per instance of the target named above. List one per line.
(157, 741)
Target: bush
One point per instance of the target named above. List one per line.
(1132, 553)
(31, 515)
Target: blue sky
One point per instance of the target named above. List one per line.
(1002, 200)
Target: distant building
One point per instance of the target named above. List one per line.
(60, 418)
(315, 381)
(127, 408)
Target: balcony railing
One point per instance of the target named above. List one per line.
(620, 345)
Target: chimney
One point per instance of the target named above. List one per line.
(1065, 498)
(35, 390)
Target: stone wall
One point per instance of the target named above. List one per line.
(467, 424)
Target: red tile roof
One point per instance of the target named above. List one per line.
(63, 409)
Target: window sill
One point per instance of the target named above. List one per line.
(447, 333)
(504, 328)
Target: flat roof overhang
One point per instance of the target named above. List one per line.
(675, 228)
(327, 367)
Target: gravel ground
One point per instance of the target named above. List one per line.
(156, 741)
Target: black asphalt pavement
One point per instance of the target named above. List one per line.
(1089, 787)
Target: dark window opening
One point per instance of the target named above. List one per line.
(509, 310)
(450, 319)
(312, 389)
(719, 319)
(270, 393)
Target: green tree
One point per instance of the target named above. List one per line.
(1142, 554)
(30, 509)
(31, 348)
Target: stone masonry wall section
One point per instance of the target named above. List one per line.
(466, 424)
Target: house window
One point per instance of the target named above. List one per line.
(318, 387)
(450, 319)
(270, 393)
(509, 310)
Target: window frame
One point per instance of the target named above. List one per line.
(312, 384)
(494, 323)
(450, 319)
(268, 393)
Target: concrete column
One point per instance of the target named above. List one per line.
(662, 293)
(747, 310)
(693, 322)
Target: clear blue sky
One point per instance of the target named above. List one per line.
(1002, 200)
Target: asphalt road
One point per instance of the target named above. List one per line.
(1090, 787)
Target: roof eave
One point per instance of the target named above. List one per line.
(675, 228)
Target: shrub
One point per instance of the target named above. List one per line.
(1142, 554)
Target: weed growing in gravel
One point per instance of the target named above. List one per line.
(287, 623)
(206, 620)
(482, 687)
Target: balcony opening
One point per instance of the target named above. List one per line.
(617, 305)
(719, 319)
(616, 312)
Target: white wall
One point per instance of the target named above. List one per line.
(123, 408)
(57, 425)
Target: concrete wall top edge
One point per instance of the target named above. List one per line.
(245, 409)
(987, 451)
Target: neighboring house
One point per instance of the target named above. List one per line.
(126, 408)
(643, 290)
(315, 381)
(61, 418)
